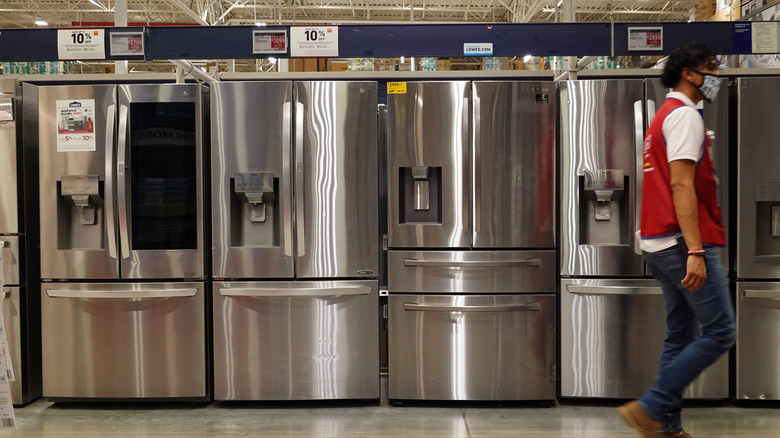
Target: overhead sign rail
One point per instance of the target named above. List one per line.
(387, 41)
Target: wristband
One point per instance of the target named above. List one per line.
(696, 252)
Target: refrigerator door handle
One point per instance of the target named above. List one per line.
(650, 112)
(765, 294)
(529, 307)
(466, 214)
(6, 294)
(121, 168)
(167, 293)
(295, 292)
(477, 166)
(300, 214)
(612, 290)
(639, 170)
(286, 178)
(108, 211)
(422, 263)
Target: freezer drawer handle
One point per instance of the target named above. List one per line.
(530, 307)
(612, 290)
(168, 293)
(7, 294)
(472, 263)
(767, 294)
(296, 292)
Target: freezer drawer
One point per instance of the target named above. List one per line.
(612, 333)
(470, 271)
(13, 329)
(123, 340)
(10, 247)
(758, 353)
(472, 347)
(308, 340)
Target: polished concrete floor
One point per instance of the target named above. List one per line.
(364, 420)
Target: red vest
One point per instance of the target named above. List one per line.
(658, 217)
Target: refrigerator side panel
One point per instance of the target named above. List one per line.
(9, 188)
(75, 128)
(251, 179)
(514, 164)
(601, 134)
(336, 192)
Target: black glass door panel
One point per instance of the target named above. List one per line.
(163, 154)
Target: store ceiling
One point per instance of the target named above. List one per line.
(70, 13)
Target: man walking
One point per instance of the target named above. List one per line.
(680, 226)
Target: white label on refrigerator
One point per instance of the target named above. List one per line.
(75, 125)
(81, 44)
(127, 43)
(314, 41)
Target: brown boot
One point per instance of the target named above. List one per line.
(638, 419)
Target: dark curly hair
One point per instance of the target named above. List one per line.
(690, 55)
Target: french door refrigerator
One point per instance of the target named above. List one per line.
(122, 241)
(613, 318)
(758, 241)
(20, 303)
(296, 245)
(471, 266)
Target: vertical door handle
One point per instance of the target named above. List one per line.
(639, 170)
(477, 146)
(465, 123)
(108, 209)
(300, 213)
(121, 181)
(286, 177)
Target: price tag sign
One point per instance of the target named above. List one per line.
(396, 88)
(645, 38)
(314, 41)
(127, 43)
(269, 42)
(81, 44)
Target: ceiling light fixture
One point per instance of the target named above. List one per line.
(40, 22)
(261, 24)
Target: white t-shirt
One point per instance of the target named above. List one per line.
(683, 131)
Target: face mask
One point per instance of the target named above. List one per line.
(709, 86)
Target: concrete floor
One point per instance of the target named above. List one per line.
(364, 420)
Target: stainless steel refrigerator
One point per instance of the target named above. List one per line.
(613, 318)
(20, 303)
(122, 240)
(471, 223)
(758, 241)
(296, 245)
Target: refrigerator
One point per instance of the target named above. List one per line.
(123, 296)
(295, 240)
(471, 235)
(758, 241)
(613, 318)
(20, 303)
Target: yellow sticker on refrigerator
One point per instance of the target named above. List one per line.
(396, 88)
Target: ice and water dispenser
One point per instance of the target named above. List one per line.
(254, 213)
(420, 195)
(80, 209)
(604, 215)
(767, 218)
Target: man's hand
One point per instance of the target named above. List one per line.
(696, 273)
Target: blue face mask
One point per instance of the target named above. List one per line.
(709, 86)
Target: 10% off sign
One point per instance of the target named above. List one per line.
(314, 41)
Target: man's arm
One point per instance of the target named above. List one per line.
(682, 173)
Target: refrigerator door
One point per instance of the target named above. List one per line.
(467, 347)
(13, 327)
(160, 181)
(251, 179)
(602, 135)
(716, 120)
(75, 128)
(758, 185)
(758, 325)
(612, 334)
(429, 172)
(336, 190)
(9, 214)
(514, 164)
(305, 340)
(124, 340)
(10, 247)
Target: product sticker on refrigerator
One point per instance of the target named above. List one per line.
(75, 125)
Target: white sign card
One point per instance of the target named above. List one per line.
(7, 415)
(75, 125)
(477, 49)
(269, 42)
(764, 37)
(127, 43)
(645, 38)
(314, 41)
(81, 44)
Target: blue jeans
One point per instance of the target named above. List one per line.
(682, 361)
